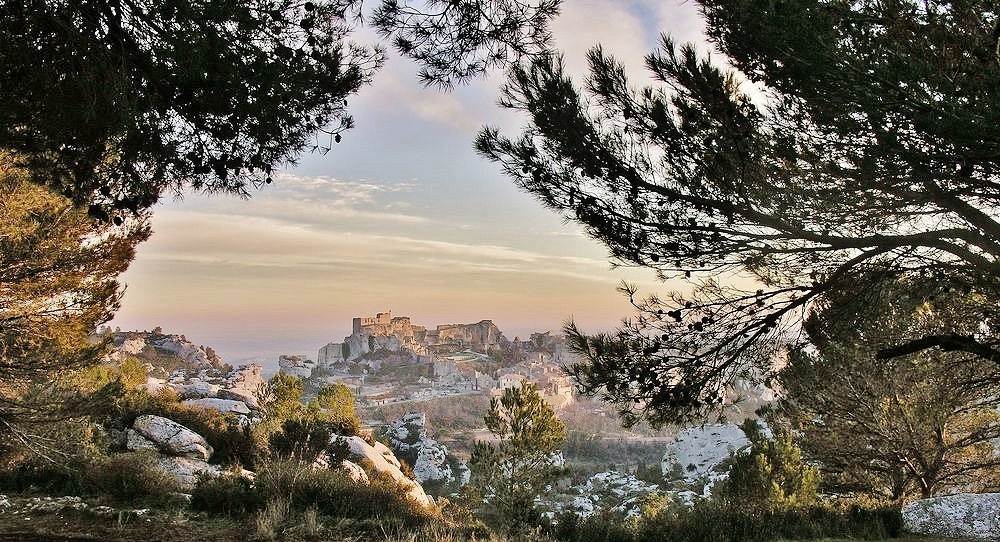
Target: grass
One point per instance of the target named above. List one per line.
(182, 525)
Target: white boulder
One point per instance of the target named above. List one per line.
(966, 515)
(242, 384)
(383, 460)
(221, 405)
(135, 442)
(153, 384)
(172, 438)
(355, 471)
(185, 470)
(408, 439)
(196, 390)
(432, 463)
(698, 452)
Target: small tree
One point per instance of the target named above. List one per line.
(509, 473)
(771, 475)
(281, 397)
(336, 407)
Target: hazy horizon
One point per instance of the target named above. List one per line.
(402, 215)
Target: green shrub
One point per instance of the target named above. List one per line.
(300, 439)
(230, 495)
(130, 478)
(53, 458)
(330, 493)
(597, 528)
(715, 522)
(771, 475)
(36, 474)
(233, 443)
(709, 521)
(334, 494)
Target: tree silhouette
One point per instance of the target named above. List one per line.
(117, 101)
(456, 40)
(917, 424)
(873, 146)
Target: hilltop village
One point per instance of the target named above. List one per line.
(388, 359)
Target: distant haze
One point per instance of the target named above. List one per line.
(401, 216)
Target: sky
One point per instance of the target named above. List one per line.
(401, 216)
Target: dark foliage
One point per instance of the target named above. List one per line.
(456, 40)
(331, 493)
(709, 522)
(876, 149)
(118, 101)
(915, 424)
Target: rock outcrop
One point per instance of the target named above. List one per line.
(183, 454)
(153, 345)
(296, 365)
(383, 460)
(966, 515)
(172, 438)
(354, 471)
(242, 384)
(700, 452)
(220, 405)
(613, 491)
(429, 459)
(185, 470)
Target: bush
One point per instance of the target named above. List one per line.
(54, 458)
(771, 475)
(300, 439)
(229, 495)
(233, 443)
(329, 492)
(714, 522)
(130, 478)
(36, 474)
(334, 494)
(597, 528)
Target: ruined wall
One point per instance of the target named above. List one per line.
(481, 335)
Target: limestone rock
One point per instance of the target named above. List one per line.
(385, 462)
(242, 385)
(185, 470)
(355, 471)
(153, 384)
(966, 515)
(385, 452)
(699, 451)
(296, 365)
(221, 405)
(408, 439)
(432, 463)
(612, 491)
(172, 438)
(196, 390)
(135, 442)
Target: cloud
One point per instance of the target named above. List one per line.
(241, 240)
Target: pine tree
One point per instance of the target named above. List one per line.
(117, 102)
(510, 472)
(771, 474)
(869, 144)
(58, 270)
(916, 424)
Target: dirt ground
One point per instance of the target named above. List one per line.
(82, 526)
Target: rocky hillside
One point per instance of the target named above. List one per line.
(165, 352)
